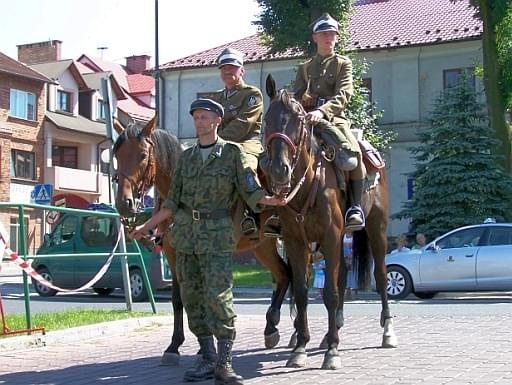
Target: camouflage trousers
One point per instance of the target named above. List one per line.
(206, 283)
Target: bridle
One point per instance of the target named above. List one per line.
(296, 148)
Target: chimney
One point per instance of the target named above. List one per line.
(137, 64)
(43, 52)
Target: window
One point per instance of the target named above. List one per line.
(64, 156)
(22, 164)
(500, 236)
(410, 188)
(63, 101)
(452, 77)
(463, 238)
(101, 110)
(22, 104)
(64, 231)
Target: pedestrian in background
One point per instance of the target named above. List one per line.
(421, 241)
(351, 265)
(318, 269)
(401, 244)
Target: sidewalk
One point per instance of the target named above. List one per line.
(432, 350)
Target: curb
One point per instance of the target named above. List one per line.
(78, 333)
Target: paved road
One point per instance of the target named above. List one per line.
(432, 350)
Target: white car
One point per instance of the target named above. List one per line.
(470, 258)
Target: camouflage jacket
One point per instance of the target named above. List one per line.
(243, 111)
(330, 79)
(214, 185)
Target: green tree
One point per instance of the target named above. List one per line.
(496, 16)
(456, 181)
(286, 24)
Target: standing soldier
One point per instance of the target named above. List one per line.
(243, 111)
(209, 177)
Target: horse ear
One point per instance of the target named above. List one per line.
(150, 127)
(271, 87)
(118, 126)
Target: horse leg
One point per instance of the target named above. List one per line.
(340, 319)
(376, 230)
(298, 357)
(171, 355)
(266, 253)
(332, 302)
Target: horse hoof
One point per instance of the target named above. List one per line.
(332, 360)
(297, 360)
(389, 341)
(272, 340)
(170, 359)
(323, 344)
(293, 341)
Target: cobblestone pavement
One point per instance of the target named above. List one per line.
(432, 350)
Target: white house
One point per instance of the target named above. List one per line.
(416, 47)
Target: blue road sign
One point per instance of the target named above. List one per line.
(43, 194)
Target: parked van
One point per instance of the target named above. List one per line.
(78, 234)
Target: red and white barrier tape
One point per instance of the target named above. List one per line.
(35, 275)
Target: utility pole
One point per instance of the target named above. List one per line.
(157, 72)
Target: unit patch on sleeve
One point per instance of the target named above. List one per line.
(251, 101)
(250, 182)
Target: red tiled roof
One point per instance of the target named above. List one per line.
(375, 24)
(140, 84)
(14, 67)
(253, 51)
(135, 110)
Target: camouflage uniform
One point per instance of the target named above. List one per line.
(201, 197)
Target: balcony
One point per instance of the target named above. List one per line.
(64, 178)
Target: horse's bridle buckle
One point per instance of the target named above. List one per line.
(196, 215)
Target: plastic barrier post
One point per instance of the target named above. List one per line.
(23, 250)
(124, 269)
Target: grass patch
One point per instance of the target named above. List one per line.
(251, 276)
(71, 318)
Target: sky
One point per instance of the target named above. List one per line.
(126, 27)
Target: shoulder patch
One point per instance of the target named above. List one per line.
(250, 182)
(251, 102)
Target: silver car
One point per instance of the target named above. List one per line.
(470, 258)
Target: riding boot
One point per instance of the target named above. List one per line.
(224, 373)
(272, 226)
(354, 217)
(204, 367)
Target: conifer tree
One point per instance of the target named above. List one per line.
(458, 179)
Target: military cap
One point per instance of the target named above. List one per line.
(325, 23)
(230, 56)
(207, 104)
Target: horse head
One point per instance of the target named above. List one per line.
(135, 174)
(285, 138)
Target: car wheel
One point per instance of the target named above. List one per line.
(42, 290)
(103, 291)
(139, 292)
(425, 294)
(399, 282)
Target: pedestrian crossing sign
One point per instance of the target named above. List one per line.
(43, 193)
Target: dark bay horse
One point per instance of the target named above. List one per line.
(315, 214)
(149, 156)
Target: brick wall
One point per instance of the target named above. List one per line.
(42, 52)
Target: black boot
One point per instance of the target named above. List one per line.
(224, 373)
(354, 218)
(272, 227)
(204, 366)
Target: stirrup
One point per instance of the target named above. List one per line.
(352, 223)
(272, 227)
(248, 226)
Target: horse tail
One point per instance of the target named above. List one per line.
(364, 258)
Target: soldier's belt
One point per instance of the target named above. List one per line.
(206, 214)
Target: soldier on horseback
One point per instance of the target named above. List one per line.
(324, 87)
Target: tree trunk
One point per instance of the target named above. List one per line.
(495, 99)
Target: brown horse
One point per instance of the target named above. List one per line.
(298, 170)
(149, 156)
